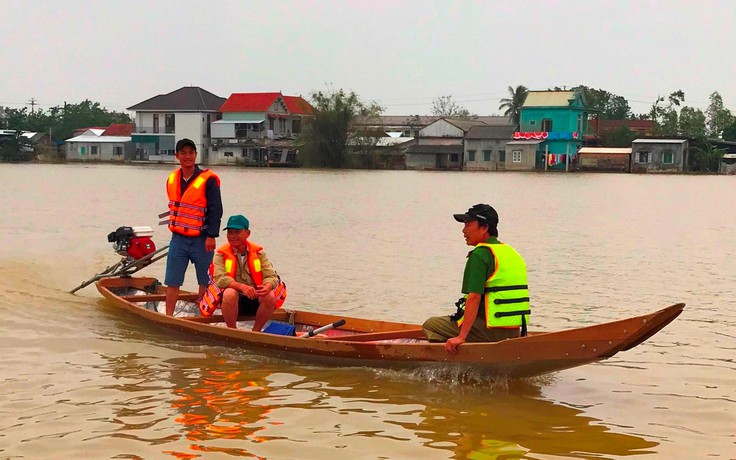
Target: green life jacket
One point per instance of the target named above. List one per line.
(506, 293)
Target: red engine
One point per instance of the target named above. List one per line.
(134, 242)
(140, 247)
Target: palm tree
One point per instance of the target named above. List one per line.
(514, 103)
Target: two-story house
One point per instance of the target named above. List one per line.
(258, 129)
(163, 120)
(552, 125)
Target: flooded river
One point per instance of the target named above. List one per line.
(79, 379)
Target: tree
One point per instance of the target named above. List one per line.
(611, 106)
(445, 107)
(512, 105)
(665, 115)
(691, 122)
(61, 121)
(325, 139)
(619, 137)
(705, 156)
(718, 117)
(729, 132)
(15, 148)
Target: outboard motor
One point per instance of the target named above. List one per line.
(133, 242)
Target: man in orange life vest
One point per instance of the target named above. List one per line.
(496, 302)
(243, 279)
(195, 213)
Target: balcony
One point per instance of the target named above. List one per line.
(150, 130)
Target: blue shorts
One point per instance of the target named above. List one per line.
(185, 249)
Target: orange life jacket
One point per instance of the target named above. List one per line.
(213, 294)
(187, 211)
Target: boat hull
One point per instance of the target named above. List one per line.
(362, 342)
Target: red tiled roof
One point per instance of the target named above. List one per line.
(249, 102)
(297, 105)
(119, 129)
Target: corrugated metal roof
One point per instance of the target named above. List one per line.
(224, 122)
(491, 132)
(548, 98)
(101, 139)
(605, 150)
(659, 141)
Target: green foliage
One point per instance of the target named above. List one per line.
(691, 122)
(619, 137)
(612, 106)
(665, 115)
(325, 140)
(15, 148)
(719, 117)
(512, 104)
(61, 121)
(704, 156)
(729, 132)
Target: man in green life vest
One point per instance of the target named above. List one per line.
(496, 302)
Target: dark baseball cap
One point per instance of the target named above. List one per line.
(480, 212)
(184, 142)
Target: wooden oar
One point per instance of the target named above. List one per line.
(383, 335)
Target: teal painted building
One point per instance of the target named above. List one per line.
(559, 119)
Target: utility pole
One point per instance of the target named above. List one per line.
(32, 103)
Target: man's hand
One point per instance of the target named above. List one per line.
(452, 344)
(263, 289)
(209, 244)
(248, 291)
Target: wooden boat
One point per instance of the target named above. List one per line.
(362, 342)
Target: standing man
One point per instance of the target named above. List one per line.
(195, 213)
(496, 302)
(243, 280)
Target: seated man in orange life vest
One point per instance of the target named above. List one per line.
(242, 279)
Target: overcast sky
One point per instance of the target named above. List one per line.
(401, 54)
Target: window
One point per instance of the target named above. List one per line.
(471, 155)
(241, 130)
(296, 126)
(155, 122)
(667, 157)
(486, 155)
(644, 156)
(169, 120)
(228, 154)
(454, 157)
(502, 156)
(532, 122)
(580, 122)
(118, 151)
(546, 125)
(516, 156)
(93, 150)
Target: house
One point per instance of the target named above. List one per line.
(93, 145)
(259, 129)
(163, 120)
(380, 152)
(559, 119)
(440, 145)
(728, 161)
(658, 155)
(606, 159)
(522, 155)
(409, 125)
(485, 147)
